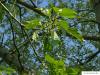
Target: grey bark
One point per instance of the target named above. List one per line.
(96, 6)
(12, 60)
(9, 58)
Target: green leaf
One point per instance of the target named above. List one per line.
(46, 11)
(31, 24)
(54, 40)
(63, 24)
(35, 36)
(54, 43)
(57, 66)
(53, 61)
(0, 72)
(73, 71)
(1, 13)
(68, 13)
(60, 63)
(8, 70)
(71, 31)
(74, 32)
(56, 9)
(49, 59)
(65, 12)
(55, 36)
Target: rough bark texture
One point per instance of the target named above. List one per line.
(12, 60)
(96, 6)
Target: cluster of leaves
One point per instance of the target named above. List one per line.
(57, 67)
(54, 22)
(49, 28)
(48, 31)
(7, 70)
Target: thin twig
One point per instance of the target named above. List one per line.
(21, 25)
(10, 13)
(90, 57)
(86, 20)
(29, 39)
(15, 42)
(20, 14)
(31, 7)
(33, 4)
(2, 39)
(33, 47)
(13, 16)
(94, 38)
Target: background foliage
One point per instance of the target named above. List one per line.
(48, 37)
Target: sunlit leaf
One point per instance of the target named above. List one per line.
(68, 13)
(72, 71)
(46, 11)
(57, 10)
(35, 36)
(63, 24)
(75, 33)
(49, 59)
(72, 31)
(8, 70)
(56, 37)
(65, 12)
(60, 63)
(58, 66)
(31, 24)
(53, 61)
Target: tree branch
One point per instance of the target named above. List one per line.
(33, 4)
(10, 13)
(93, 21)
(31, 7)
(94, 38)
(11, 57)
(92, 56)
(14, 42)
(12, 60)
